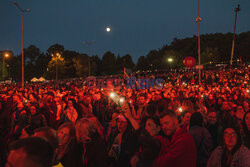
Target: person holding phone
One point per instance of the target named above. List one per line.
(122, 142)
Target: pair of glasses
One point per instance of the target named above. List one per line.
(230, 135)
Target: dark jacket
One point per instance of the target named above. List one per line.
(74, 156)
(128, 148)
(38, 120)
(94, 154)
(216, 133)
(149, 148)
(204, 144)
(178, 152)
(246, 139)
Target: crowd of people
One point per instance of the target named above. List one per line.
(182, 124)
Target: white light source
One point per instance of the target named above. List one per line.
(121, 100)
(108, 29)
(180, 109)
(170, 60)
(112, 94)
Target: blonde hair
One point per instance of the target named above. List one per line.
(70, 125)
(87, 128)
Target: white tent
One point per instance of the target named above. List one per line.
(34, 79)
(41, 79)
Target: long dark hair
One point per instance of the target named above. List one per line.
(244, 123)
(246, 131)
(227, 155)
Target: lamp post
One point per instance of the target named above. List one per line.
(57, 55)
(198, 20)
(22, 12)
(236, 10)
(8, 70)
(4, 56)
(89, 51)
(170, 61)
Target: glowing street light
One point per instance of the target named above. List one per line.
(170, 60)
(6, 55)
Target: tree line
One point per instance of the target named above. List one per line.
(215, 48)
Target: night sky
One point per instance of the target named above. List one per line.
(137, 26)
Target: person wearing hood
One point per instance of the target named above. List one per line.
(202, 138)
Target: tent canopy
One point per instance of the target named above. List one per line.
(34, 79)
(41, 79)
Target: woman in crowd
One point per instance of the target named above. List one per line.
(68, 152)
(231, 153)
(37, 119)
(185, 119)
(122, 143)
(239, 113)
(70, 112)
(94, 150)
(246, 129)
(145, 157)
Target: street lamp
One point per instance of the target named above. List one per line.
(57, 55)
(22, 12)
(6, 55)
(89, 45)
(236, 10)
(170, 60)
(198, 20)
(8, 70)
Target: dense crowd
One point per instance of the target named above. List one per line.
(182, 124)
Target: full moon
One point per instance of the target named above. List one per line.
(108, 29)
